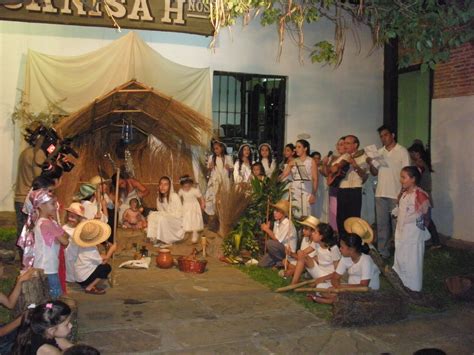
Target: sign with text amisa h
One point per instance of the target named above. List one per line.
(189, 16)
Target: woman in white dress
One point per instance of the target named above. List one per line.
(193, 204)
(304, 176)
(166, 224)
(265, 156)
(412, 229)
(243, 165)
(219, 166)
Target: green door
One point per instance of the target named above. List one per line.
(413, 107)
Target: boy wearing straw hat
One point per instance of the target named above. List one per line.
(74, 215)
(91, 267)
(283, 234)
(87, 198)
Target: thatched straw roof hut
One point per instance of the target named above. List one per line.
(165, 132)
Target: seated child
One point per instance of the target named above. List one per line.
(283, 234)
(44, 330)
(132, 217)
(360, 267)
(74, 215)
(91, 267)
(8, 331)
(321, 257)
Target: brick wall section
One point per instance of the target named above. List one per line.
(456, 77)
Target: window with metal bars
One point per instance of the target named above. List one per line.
(249, 108)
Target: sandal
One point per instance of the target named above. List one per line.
(311, 297)
(95, 291)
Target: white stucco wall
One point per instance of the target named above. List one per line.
(452, 129)
(321, 101)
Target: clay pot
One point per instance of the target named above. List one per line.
(164, 260)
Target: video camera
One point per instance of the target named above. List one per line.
(56, 150)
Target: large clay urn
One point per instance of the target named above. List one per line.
(164, 260)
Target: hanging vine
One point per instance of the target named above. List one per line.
(426, 29)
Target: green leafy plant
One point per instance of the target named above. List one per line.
(247, 234)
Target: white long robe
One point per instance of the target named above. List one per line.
(410, 243)
(219, 175)
(301, 187)
(166, 224)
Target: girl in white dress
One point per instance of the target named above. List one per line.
(243, 165)
(411, 232)
(265, 156)
(304, 176)
(320, 257)
(74, 215)
(166, 224)
(219, 166)
(193, 204)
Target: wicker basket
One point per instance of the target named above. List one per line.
(191, 265)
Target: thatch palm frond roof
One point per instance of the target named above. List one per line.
(150, 111)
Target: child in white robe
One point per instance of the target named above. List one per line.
(412, 229)
(193, 204)
(265, 156)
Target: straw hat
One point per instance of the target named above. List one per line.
(310, 222)
(283, 206)
(96, 180)
(91, 233)
(85, 191)
(360, 227)
(76, 208)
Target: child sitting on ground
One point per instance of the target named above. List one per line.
(193, 205)
(90, 267)
(283, 233)
(132, 217)
(320, 258)
(360, 267)
(44, 330)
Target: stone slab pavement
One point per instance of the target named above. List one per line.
(223, 311)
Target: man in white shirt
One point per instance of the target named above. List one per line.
(388, 186)
(349, 195)
(283, 233)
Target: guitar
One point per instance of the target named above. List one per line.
(334, 179)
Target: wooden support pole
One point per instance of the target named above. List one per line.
(117, 181)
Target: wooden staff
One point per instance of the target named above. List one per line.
(333, 290)
(285, 262)
(267, 219)
(292, 287)
(117, 181)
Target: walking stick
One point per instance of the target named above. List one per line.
(267, 219)
(117, 180)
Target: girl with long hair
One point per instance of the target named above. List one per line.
(44, 330)
(165, 226)
(243, 165)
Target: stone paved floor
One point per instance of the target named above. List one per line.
(224, 312)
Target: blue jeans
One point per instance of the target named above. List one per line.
(385, 223)
(55, 289)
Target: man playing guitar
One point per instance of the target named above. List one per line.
(349, 196)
